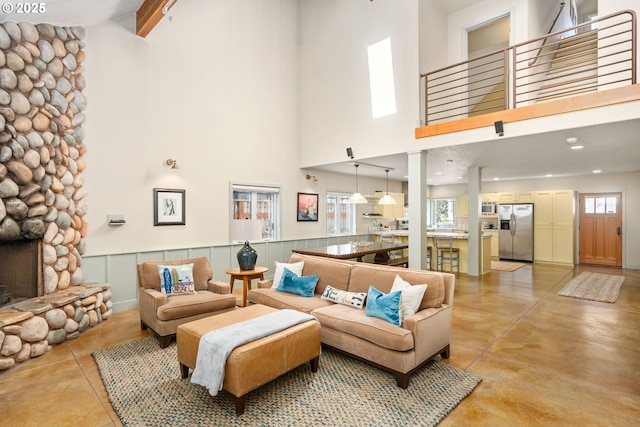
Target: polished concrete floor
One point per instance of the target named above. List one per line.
(545, 360)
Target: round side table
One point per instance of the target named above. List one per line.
(246, 276)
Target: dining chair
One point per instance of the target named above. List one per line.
(446, 254)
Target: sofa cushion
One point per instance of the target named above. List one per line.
(191, 305)
(384, 306)
(355, 322)
(332, 273)
(176, 279)
(382, 277)
(353, 299)
(150, 279)
(280, 300)
(298, 285)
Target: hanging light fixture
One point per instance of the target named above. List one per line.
(357, 197)
(387, 199)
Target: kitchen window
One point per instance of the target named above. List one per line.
(341, 215)
(258, 202)
(443, 212)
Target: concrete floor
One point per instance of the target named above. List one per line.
(544, 359)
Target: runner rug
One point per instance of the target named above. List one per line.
(506, 265)
(145, 389)
(594, 287)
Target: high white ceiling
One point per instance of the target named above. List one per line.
(611, 148)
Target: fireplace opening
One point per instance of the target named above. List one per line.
(20, 271)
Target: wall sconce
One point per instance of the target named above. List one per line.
(313, 177)
(173, 163)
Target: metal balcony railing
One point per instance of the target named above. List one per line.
(593, 56)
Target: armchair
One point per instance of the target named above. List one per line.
(162, 313)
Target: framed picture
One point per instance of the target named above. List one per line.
(307, 207)
(168, 206)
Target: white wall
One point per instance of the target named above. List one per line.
(216, 89)
(334, 100)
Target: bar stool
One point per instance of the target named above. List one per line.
(396, 257)
(446, 253)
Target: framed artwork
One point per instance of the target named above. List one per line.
(307, 207)
(168, 206)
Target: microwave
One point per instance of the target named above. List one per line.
(489, 208)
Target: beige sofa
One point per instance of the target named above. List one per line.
(397, 349)
(162, 314)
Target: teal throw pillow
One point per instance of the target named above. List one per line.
(383, 306)
(299, 285)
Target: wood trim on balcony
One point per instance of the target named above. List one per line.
(149, 14)
(566, 105)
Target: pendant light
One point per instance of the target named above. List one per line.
(387, 199)
(357, 197)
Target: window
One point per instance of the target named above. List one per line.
(443, 212)
(258, 202)
(341, 215)
(381, 84)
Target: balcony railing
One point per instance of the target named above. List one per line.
(593, 56)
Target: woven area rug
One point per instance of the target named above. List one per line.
(145, 389)
(594, 287)
(506, 265)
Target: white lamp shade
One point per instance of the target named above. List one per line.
(387, 200)
(242, 230)
(357, 198)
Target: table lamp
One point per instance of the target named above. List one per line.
(246, 230)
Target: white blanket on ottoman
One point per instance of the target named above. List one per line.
(215, 346)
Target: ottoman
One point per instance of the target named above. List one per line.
(256, 363)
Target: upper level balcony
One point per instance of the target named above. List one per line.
(590, 65)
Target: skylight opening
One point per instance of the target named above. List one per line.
(381, 82)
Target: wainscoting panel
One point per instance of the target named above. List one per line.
(119, 270)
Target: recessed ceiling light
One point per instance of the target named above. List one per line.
(597, 171)
(577, 147)
(549, 175)
(459, 177)
(438, 173)
(496, 179)
(572, 140)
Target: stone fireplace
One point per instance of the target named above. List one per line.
(42, 192)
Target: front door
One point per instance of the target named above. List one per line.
(601, 229)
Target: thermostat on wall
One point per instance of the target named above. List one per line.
(116, 220)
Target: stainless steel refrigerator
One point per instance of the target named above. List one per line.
(516, 231)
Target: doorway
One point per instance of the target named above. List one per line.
(486, 95)
(601, 229)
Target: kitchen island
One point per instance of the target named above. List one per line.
(460, 241)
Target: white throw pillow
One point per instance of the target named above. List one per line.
(295, 267)
(410, 296)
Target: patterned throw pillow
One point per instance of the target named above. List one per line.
(354, 299)
(176, 279)
(383, 306)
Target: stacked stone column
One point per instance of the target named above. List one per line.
(42, 192)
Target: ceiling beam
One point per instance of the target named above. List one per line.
(150, 13)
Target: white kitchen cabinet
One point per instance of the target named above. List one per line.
(554, 225)
(495, 243)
